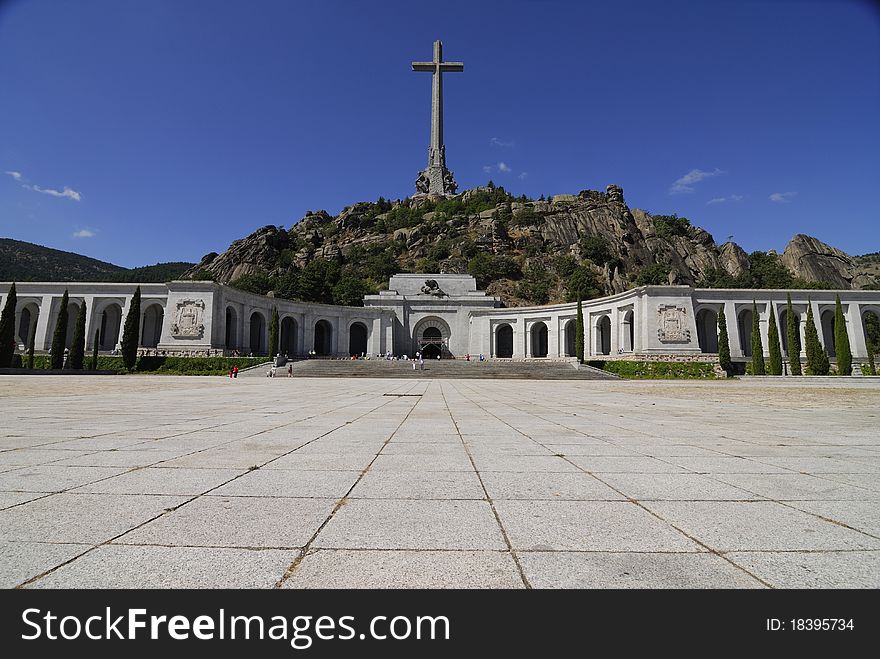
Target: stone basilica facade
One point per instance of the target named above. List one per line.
(438, 314)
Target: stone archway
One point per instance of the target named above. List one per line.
(151, 327)
(783, 331)
(111, 320)
(431, 337)
(27, 322)
(744, 327)
(603, 335)
(257, 343)
(357, 339)
(627, 331)
(323, 338)
(231, 329)
(871, 328)
(538, 336)
(571, 338)
(72, 313)
(827, 325)
(287, 340)
(707, 330)
(504, 341)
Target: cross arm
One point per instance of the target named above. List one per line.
(451, 67)
(423, 66)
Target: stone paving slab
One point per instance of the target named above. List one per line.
(583, 484)
(329, 568)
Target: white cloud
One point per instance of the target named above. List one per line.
(686, 182)
(497, 141)
(503, 167)
(723, 200)
(523, 175)
(66, 192)
(488, 169)
(782, 197)
(84, 233)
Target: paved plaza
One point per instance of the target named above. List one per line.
(151, 481)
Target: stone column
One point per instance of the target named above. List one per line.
(553, 342)
(856, 329)
(43, 331)
(817, 320)
(732, 321)
(614, 316)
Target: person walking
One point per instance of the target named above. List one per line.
(290, 370)
(421, 362)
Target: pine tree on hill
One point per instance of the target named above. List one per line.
(7, 329)
(78, 346)
(59, 338)
(774, 363)
(724, 359)
(758, 367)
(579, 331)
(131, 333)
(841, 340)
(817, 358)
(792, 338)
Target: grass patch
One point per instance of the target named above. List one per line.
(657, 370)
(167, 365)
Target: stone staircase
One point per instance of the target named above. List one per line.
(445, 368)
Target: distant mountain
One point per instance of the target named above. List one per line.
(21, 261)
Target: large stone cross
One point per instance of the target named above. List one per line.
(436, 179)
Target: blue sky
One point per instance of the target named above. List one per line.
(153, 131)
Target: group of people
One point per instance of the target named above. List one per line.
(468, 357)
(273, 372)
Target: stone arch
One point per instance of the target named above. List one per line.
(871, 328)
(504, 341)
(827, 325)
(538, 339)
(231, 341)
(744, 326)
(27, 322)
(603, 335)
(151, 325)
(627, 333)
(707, 330)
(357, 338)
(257, 334)
(423, 342)
(288, 337)
(111, 322)
(323, 337)
(570, 331)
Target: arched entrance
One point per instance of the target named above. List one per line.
(231, 329)
(27, 323)
(828, 332)
(539, 339)
(871, 325)
(431, 338)
(504, 341)
(707, 330)
(287, 340)
(111, 319)
(357, 339)
(627, 332)
(151, 328)
(571, 338)
(744, 327)
(603, 336)
(257, 344)
(323, 338)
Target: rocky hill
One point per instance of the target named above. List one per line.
(527, 251)
(23, 261)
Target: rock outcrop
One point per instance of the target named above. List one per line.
(811, 259)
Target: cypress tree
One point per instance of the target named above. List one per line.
(724, 359)
(273, 333)
(131, 333)
(757, 345)
(841, 340)
(78, 347)
(579, 331)
(94, 366)
(32, 337)
(7, 329)
(775, 361)
(817, 358)
(59, 338)
(792, 337)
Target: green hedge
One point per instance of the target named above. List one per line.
(168, 365)
(657, 370)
